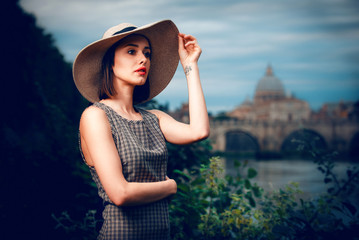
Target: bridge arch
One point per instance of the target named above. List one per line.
(300, 141)
(241, 141)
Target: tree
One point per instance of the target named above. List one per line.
(41, 108)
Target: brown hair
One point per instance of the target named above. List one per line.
(107, 89)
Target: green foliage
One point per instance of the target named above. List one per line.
(210, 205)
(188, 157)
(85, 229)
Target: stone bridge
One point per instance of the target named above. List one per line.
(275, 136)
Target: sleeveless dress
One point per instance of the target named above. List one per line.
(143, 153)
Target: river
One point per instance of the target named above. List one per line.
(275, 174)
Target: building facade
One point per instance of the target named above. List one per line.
(271, 103)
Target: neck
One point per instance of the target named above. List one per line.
(122, 102)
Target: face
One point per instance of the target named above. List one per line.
(132, 61)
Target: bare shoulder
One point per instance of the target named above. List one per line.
(93, 111)
(93, 117)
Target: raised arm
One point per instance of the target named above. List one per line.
(198, 128)
(100, 151)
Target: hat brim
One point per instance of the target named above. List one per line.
(163, 37)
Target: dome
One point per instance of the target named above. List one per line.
(269, 88)
(270, 83)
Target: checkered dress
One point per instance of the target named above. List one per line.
(142, 149)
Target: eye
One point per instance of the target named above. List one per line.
(147, 55)
(131, 51)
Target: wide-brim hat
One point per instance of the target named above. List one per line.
(163, 38)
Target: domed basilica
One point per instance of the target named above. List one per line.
(271, 103)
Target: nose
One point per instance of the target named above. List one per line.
(143, 58)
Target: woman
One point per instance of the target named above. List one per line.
(125, 146)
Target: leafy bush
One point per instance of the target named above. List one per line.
(210, 205)
(85, 229)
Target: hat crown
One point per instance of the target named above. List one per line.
(118, 28)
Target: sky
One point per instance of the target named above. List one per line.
(312, 45)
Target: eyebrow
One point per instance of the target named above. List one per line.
(135, 45)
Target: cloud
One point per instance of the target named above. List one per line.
(307, 42)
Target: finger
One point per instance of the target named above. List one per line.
(180, 41)
(190, 43)
(188, 37)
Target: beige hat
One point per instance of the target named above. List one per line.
(164, 57)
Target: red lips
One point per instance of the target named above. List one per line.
(141, 71)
